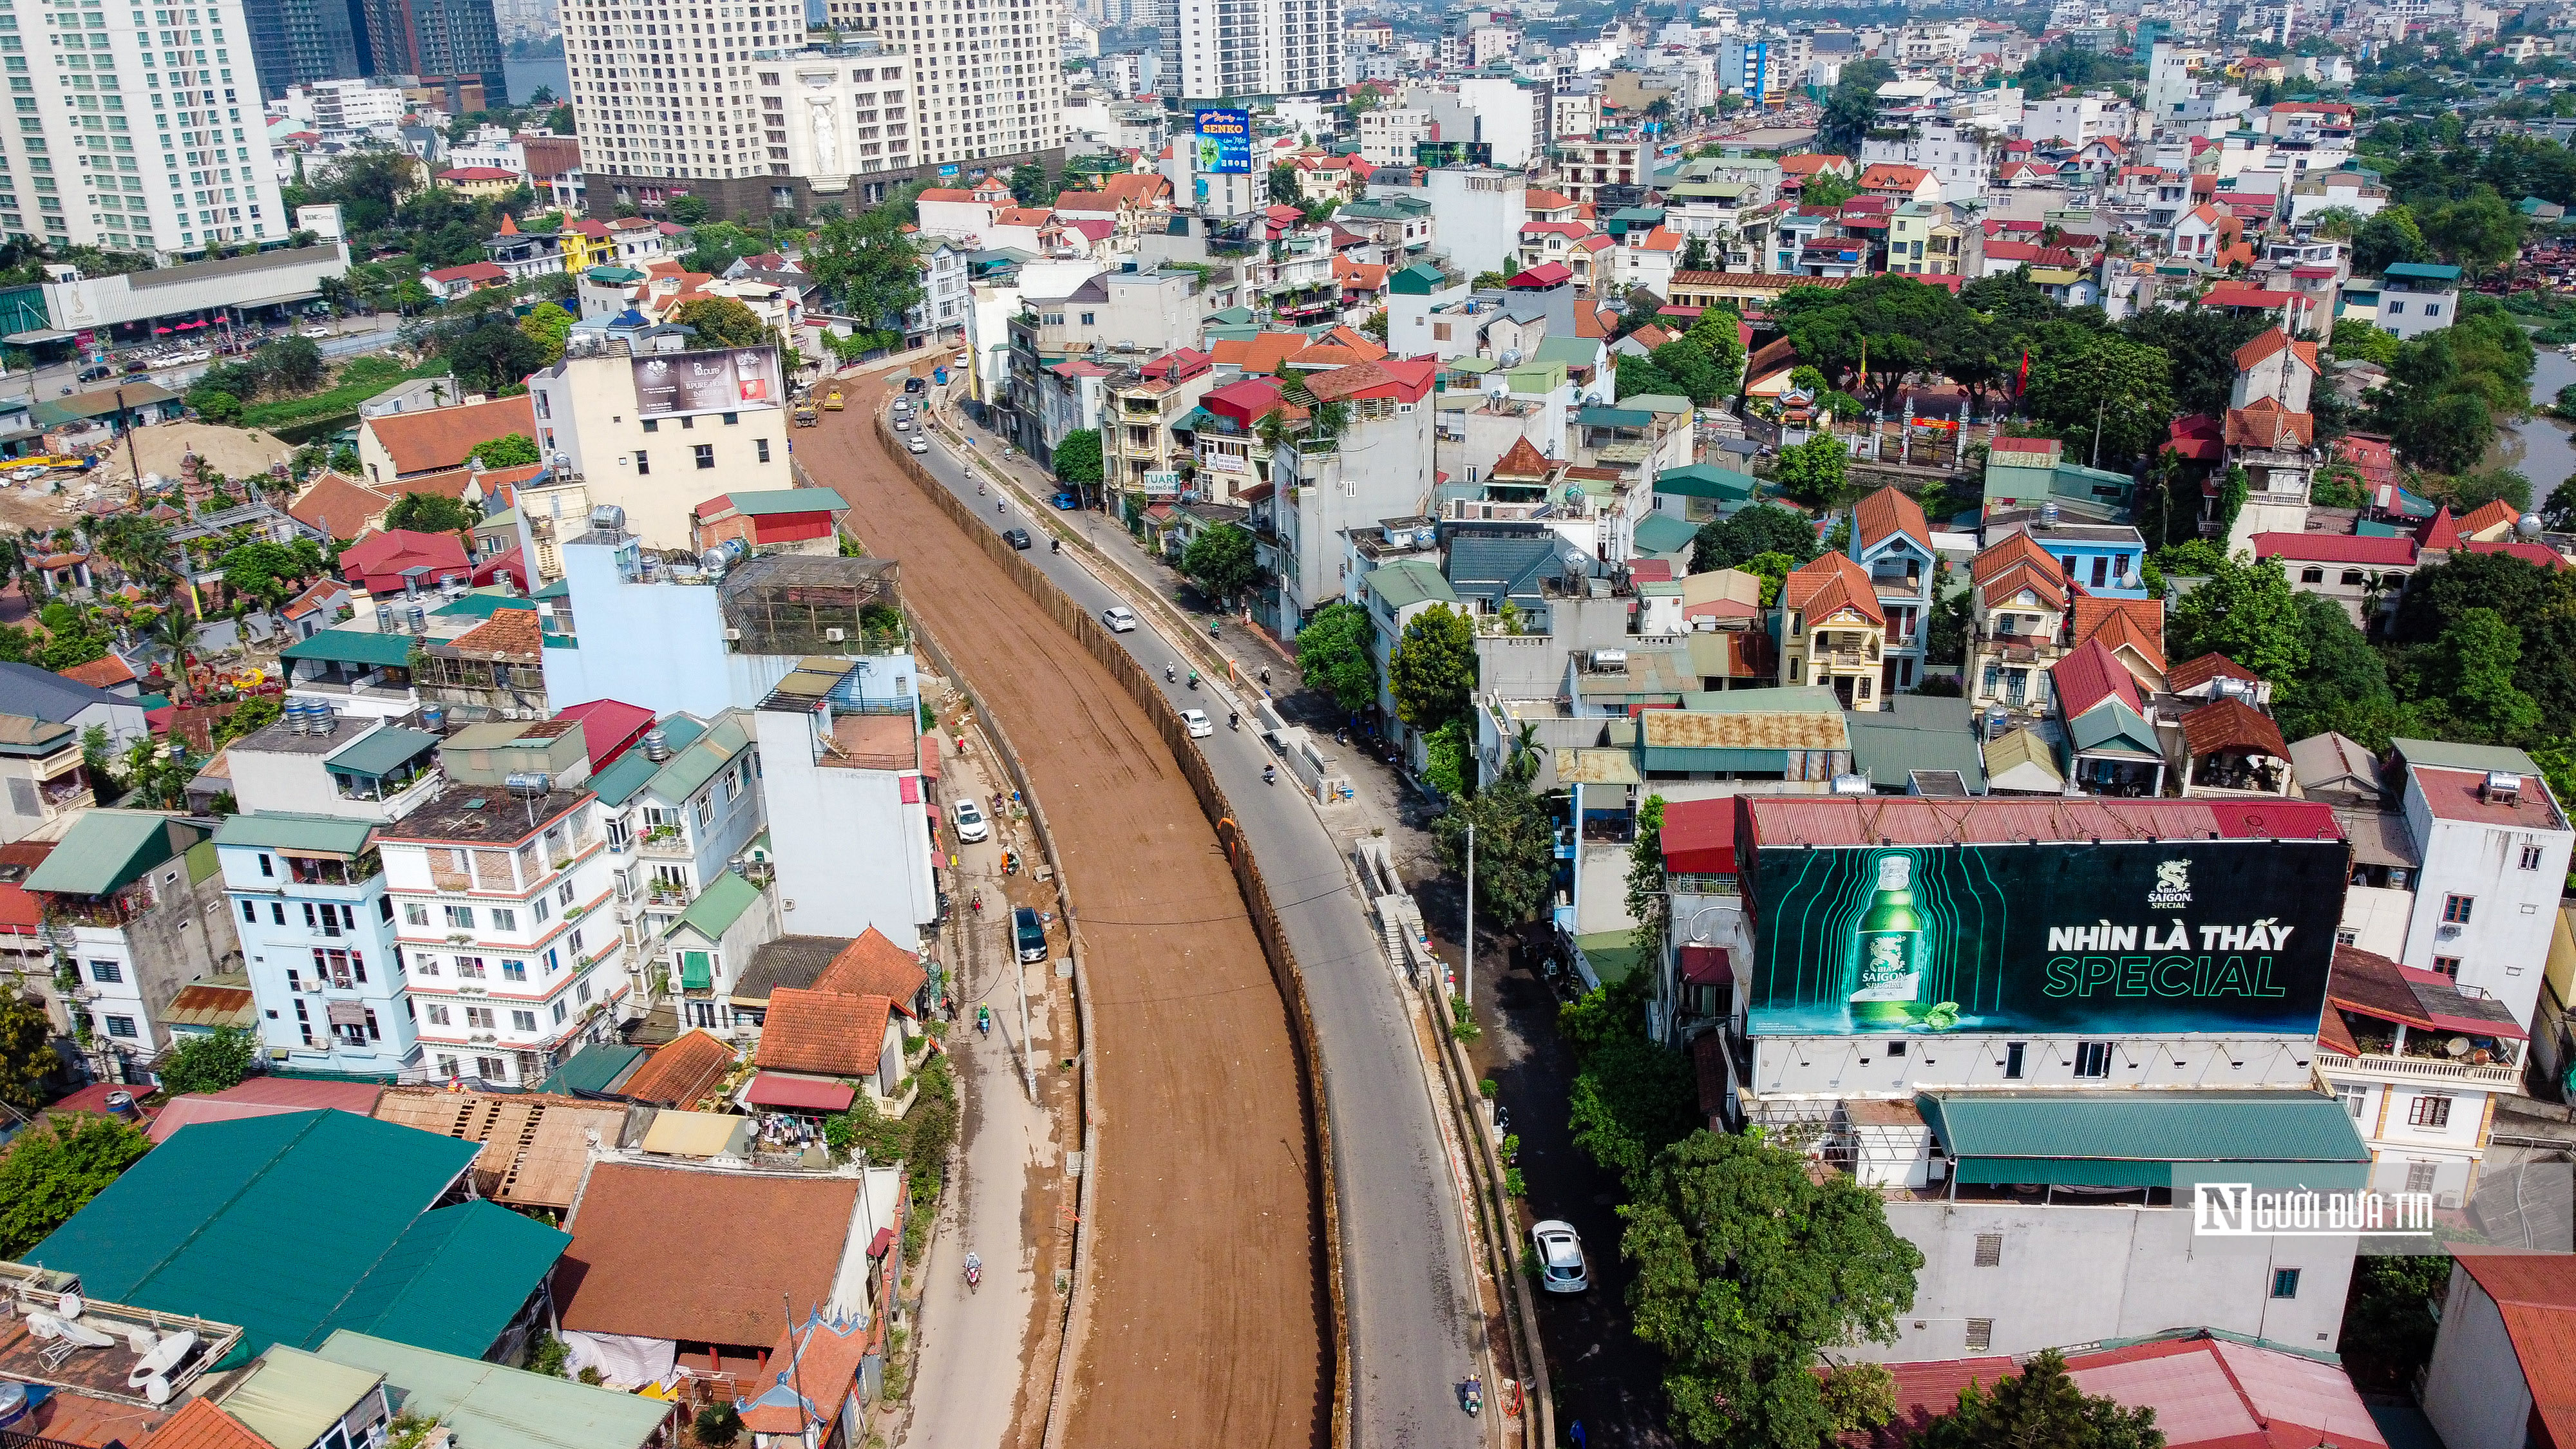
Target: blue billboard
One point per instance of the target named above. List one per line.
(1225, 142)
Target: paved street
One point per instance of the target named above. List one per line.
(1415, 1323)
(350, 337)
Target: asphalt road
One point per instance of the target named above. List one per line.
(1416, 1329)
(355, 335)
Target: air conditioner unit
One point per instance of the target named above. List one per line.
(733, 636)
(836, 635)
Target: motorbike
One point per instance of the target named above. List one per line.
(1265, 679)
(984, 1020)
(1170, 674)
(1194, 679)
(977, 904)
(1001, 505)
(1214, 632)
(1474, 1394)
(974, 1270)
(1233, 720)
(979, 490)
(1055, 545)
(1270, 774)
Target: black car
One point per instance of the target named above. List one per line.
(912, 384)
(93, 374)
(1016, 537)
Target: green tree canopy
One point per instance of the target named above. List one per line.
(2039, 1408)
(2090, 385)
(867, 264)
(430, 513)
(210, 1062)
(1748, 1265)
(1515, 847)
(547, 326)
(510, 450)
(1333, 655)
(1762, 528)
(53, 1169)
(723, 322)
(1432, 670)
(2246, 611)
(1220, 561)
(290, 364)
(1077, 458)
(27, 1056)
(1812, 472)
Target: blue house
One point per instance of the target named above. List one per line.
(2105, 560)
(316, 927)
(1892, 540)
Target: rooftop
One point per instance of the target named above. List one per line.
(773, 1235)
(487, 1406)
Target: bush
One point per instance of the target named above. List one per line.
(717, 1425)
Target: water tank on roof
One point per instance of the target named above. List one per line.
(608, 518)
(433, 717)
(2527, 526)
(384, 618)
(2048, 514)
(527, 784)
(657, 745)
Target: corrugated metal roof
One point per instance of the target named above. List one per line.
(1786, 820)
(353, 646)
(292, 1397)
(1917, 732)
(103, 852)
(719, 906)
(2019, 750)
(592, 1068)
(1692, 729)
(1597, 767)
(631, 772)
(487, 1406)
(381, 753)
(1661, 533)
(2142, 1138)
(2111, 727)
(697, 764)
(287, 830)
(1408, 582)
(454, 1279)
(2450, 755)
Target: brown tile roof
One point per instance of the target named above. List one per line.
(682, 1070)
(2192, 673)
(509, 632)
(2494, 513)
(100, 673)
(668, 1252)
(2138, 623)
(1263, 352)
(535, 1145)
(873, 966)
(2231, 724)
(453, 482)
(201, 1425)
(2022, 574)
(817, 1367)
(1520, 460)
(2264, 423)
(340, 506)
(1887, 512)
(2271, 342)
(2013, 548)
(1831, 582)
(442, 438)
(823, 1032)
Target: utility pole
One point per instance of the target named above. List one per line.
(796, 1369)
(1471, 923)
(130, 461)
(2097, 429)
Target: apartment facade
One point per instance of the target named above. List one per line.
(498, 903)
(1218, 50)
(316, 926)
(136, 915)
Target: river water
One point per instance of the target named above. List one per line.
(2539, 447)
(525, 76)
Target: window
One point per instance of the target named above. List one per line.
(2092, 1059)
(1981, 1334)
(2419, 1176)
(470, 967)
(2429, 1111)
(120, 1026)
(2447, 966)
(504, 919)
(2285, 1282)
(250, 912)
(438, 1016)
(277, 913)
(2347, 937)
(2013, 1052)
(460, 918)
(514, 970)
(2352, 578)
(2312, 575)
(2352, 1097)
(415, 914)
(563, 893)
(761, 445)
(492, 1069)
(561, 1011)
(479, 1017)
(643, 462)
(523, 1021)
(541, 910)
(652, 425)
(1990, 1250)
(447, 1066)
(2531, 857)
(2455, 909)
(106, 973)
(705, 454)
(267, 867)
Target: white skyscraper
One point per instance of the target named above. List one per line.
(729, 102)
(1225, 49)
(138, 129)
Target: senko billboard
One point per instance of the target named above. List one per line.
(735, 379)
(2199, 937)
(1225, 142)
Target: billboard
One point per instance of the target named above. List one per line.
(2120, 938)
(1453, 153)
(730, 380)
(1225, 142)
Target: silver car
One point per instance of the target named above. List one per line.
(1119, 618)
(1560, 1257)
(971, 825)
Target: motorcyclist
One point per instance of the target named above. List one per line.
(1234, 719)
(1270, 774)
(974, 1270)
(1194, 679)
(1055, 545)
(1171, 675)
(977, 904)
(1001, 505)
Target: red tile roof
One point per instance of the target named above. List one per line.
(2524, 549)
(2021, 574)
(2231, 724)
(2271, 341)
(682, 1071)
(2336, 548)
(872, 965)
(1829, 583)
(2494, 513)
(823, 1032)
(1521, 460)
(2264, 423)
(100, 673)
(1888, 512)
(631, 1268)
(2011, 549)
(201, 1425)
(509, 633)
(2088, 676)
(338, 505)
(442, 438)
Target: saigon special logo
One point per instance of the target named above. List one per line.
(2173, 886)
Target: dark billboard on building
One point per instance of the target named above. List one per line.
(1453, 153)
(2226, 937)
(735, 379)
(1225, 143)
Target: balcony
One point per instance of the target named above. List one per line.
(667, 841)
(2412, 1068)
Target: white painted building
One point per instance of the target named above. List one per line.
(659, 434)
(2495, 848)
(841, 768)
(1214, 50)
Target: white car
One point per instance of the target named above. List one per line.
(1197, 721)
(314, 332)
(1119, 618)
(971, 825)
(1560, 1257)
(918, 445)
(961, 359)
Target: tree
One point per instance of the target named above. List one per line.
(723, 322)
(1827, 188)
(1077, 461)
(2389, 1320)
(2039, 1408)
(2471, 491)
(1333, 654)
(211, 1062)
(690, 210)
(867, 264)
(2359, 341)
(2389, 237)
(1632, 1099)
(1432, 670)
(215, 405)
(1853, 107)
(1284, 190)
(1030, 187)
(2471, 669)
(2101, 386)
(490, 355)
(1749, 1265)
(1648, 905)
(1812, 472)
(717, 1426)
(2558, 514)
(2246, 611)
(290, 364)
(547, 326)
(1375, 326)
(2200, 346)
(27, 1056)
(1860, 1397)
(2344, 687)
(1759, 529)
(430, 513)
(2337, 223)
(263, 571)
(52, 1171)
(1220, 561)
(2478, 234)
(1515, 847)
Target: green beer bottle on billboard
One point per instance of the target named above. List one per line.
(1886, 969)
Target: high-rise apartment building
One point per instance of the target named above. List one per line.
(137, 129)
(1227, 49)
(299, 42)
(730, 103)
(451, 45)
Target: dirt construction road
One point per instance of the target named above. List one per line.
(1207, 1318)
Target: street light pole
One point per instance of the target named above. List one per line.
(1470, 974)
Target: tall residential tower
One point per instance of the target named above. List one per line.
(1228, 49)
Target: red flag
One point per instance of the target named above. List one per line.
(2023, 385)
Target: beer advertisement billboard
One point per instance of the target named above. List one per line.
(2228, 937)
(733, 379)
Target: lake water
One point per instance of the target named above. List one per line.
(526, 75)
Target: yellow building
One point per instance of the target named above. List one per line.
(1831, 631)
(1924, 241)
(2551, 1047)
(481, 181)
(585, 245)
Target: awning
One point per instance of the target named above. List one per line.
(696, 971)
(883, 1240)
(1706, 966)
(39, 334)
(2275, 1139)
(799, 1094)
(346, 1013)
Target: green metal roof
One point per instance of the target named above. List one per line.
(699, 763)
(287, 830)
(762, 501)
(1657, 402)
(487, 1406)
(104, 851)
(626, 777)
(1612, 955)
(2448, 755)
(1614, 417)
(1572, 351)
(353, 646)
(380, 754)
(592, 1068)
(2113, 726)
(292, 1397)
(482, 606)
(1662, 533)
(1702, 480)
(559, 589)
(195, 1227)
(1408, 582)
(1419, 280)
(1916, 732)
(2148, 1139)
(719, 906)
